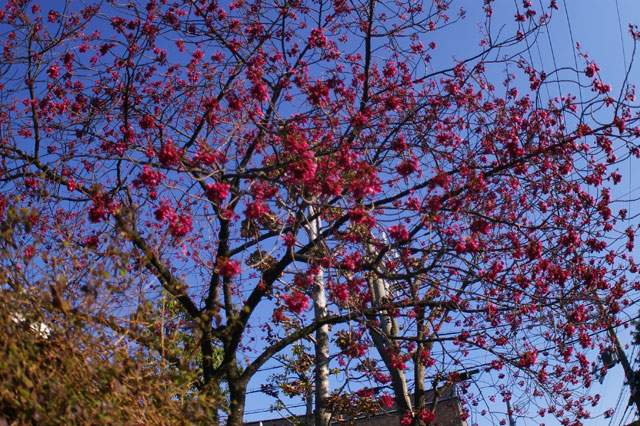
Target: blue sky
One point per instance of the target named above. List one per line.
(601, 29)
(597, 26)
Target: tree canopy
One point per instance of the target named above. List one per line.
(205, 186)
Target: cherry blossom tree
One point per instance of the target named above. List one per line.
(249, 175)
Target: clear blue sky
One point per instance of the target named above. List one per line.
(597, 26)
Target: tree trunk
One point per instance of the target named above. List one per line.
(383, 343)
(212, 392)
(237, 397)
(398, 381)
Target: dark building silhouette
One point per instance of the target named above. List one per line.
(448, 412)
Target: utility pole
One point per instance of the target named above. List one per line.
(630, 375)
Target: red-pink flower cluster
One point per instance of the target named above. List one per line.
(228, 268)
(217, 192)
(296, 302)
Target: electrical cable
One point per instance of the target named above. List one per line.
(624, 58)
(266, 410)
(625, 415)
(616, 411)
(553, 53)
(573, 49)
(624, 54)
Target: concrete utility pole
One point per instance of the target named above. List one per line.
(630, 375)
(633, 379)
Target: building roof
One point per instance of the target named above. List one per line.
(448, 413)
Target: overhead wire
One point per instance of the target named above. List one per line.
(624, 58)
(552, 50)
(624, 54)
(268, 410)
(573, 49)
(553, 53)
(621, 397)
(612, 422)
(625, 414)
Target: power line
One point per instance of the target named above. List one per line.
(624, 58)
(269, 410)
(616, 413)
(553, 53)
(624, 54)
(548, 348)
(573, 49)
(625, 415)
